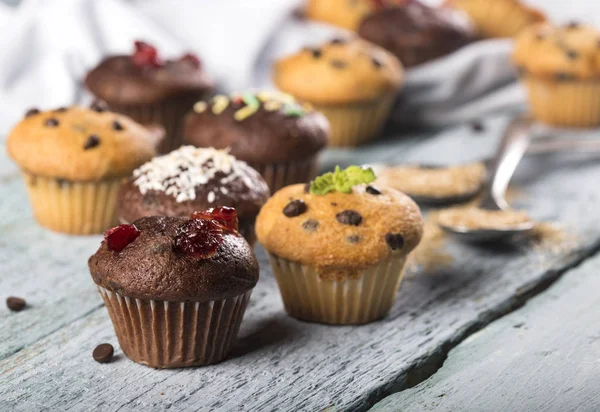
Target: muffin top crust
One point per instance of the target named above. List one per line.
(416, 33)
(257, 127)
(144, 77)
(343, 70)
(487, 16)
(80, 144)
(189, 179)
(353, 227)
(346, 13)
(571, 51)
(176, 259)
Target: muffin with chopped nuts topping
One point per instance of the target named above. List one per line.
(338, 245)
(498, 18)
(190, 179)
(560, 68)
(352, 82)
(73, 161)
(275, 134)
(150, 89)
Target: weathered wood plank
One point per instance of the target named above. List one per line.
(279, 363)
(543, 357)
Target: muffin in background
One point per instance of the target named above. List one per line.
(498, 18)
(416, 33)
(149, 89)
(73, 161)
(175, 288)
(560, 68)
(338, 246)
(352, 82)
(190, 179)
(346, 13)
(275, 134)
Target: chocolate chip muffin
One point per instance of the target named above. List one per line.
(352, 82)
(175, 288)
(338, 246)
(275, 134)
(560, 68)
(190, 179)
(416, 33)
(346, 13)
(149, 89)
(498, 18)
(73, 161)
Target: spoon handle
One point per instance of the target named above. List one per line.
(513, 145)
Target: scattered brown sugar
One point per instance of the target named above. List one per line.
(436, 182)
(548, 236)
(430, 254)
(476, 218)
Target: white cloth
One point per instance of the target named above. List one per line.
(47, 46)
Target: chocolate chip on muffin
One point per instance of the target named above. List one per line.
(295, 208)
(32, 112)
(52, 122)
(349, 217)
(91, 142)
(394, 240)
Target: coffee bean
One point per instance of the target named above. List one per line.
(91, 142)
(103, 353)
(294, 208)
(311, 225)
(338, 40)
(349, 217)
(52, 122)
(372, 191)
(61, 109)
(99, 106)
(353, 238)
(117, 126)
(339, 64)
(394, 240)
(32, 112)
(15, 304)
(477, 126)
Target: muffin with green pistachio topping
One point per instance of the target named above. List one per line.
(338, 245)
(272, 132)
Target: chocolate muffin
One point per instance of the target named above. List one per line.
(274, 133)
(190, 179)
(150, 89)
(175, 288)
(417, 33)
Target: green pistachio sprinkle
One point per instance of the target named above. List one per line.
(293, 110)
(250, 100)
(341, 181)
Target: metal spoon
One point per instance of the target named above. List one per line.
(513, 146)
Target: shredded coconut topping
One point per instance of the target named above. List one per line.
(180, 172)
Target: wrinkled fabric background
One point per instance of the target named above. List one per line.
(46, 47)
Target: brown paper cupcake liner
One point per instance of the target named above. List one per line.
(278, 175)
(352, 125)
(571, 103)
(77, 208)
(165, 334)
(357, 300)
(169, 113)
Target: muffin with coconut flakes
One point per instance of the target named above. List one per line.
(191, 179)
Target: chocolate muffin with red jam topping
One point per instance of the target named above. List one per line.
(149, 89)
(176, 288)
(190, 179)
(275, 134)
(416, 33)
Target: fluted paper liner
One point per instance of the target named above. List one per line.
(77, 208)
(278, 175)
(350, 301)
(354, 124)
(165, 334)
(571, 103)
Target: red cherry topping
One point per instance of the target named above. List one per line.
(146, 55)
(199, 238)
(191, 58)
(120, 236)
(224, 216)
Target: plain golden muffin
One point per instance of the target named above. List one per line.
(351, 81)
(498, 18)
(331, 249)
(560, 67)
(73, 160)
